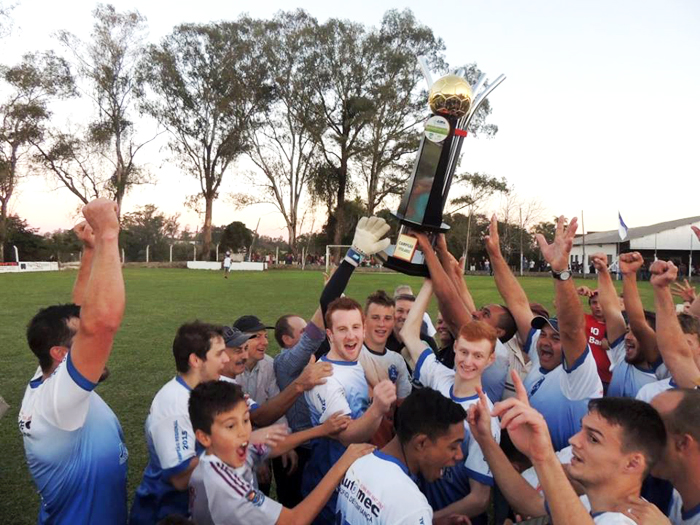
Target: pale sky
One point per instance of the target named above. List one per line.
(599, 111)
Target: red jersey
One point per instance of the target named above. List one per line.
(595, 333)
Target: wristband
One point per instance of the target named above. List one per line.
(353, 257)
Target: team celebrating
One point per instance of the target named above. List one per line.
(370, 414)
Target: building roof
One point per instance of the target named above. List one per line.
(613, 237)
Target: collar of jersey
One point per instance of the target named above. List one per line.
(182, 382)
(342, 363)
(687, 514)
(392, 459)
(461, 399)
(545, 372)
(35, 383)
(673, 383)
(373, 352)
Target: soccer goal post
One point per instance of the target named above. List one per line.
(328, 253)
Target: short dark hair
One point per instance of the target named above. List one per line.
(642, 427)
(426, 411)
(405, 297)
(49, 328)
(506, 322)
(381, 298)
(685, 418)
(342, 303)
(283, 328)
(211, 398)
(689, 324)
(194, 338)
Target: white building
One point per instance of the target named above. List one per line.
(672, 240)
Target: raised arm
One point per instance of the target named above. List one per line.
(102, 307)
(607, 295)
(410, 333)
(84, 232)
(673, 346)
(630, 263)
(454, 310)
(508, 286)
(455, 271)
(569, 311)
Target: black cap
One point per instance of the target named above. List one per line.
(250, 324)
(538, 323)
(233, 337)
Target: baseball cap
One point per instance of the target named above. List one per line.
(234, 338)
(538, 322)
(250, 323)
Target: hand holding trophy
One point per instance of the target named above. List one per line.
(453, 104)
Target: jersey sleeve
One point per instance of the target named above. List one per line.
(64, 398)
(430, 372)
(476, 463)
(174, 442)
(422, 516)
(328, 399)
(617, 352)
(613, 518)
(581, 380)
(235, 501)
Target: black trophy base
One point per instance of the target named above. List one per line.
(399, 265)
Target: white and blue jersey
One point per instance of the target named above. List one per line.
(75, 449)
(628, 379)
(378, 490)
(346, 391)
(454, 484)
(171, 446)
(561, 395)
(678, 516)
(651, 390)
(494, 377)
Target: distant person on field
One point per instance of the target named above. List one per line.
(73, 441)
(227, 264)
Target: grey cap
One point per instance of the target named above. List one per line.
(234, 338)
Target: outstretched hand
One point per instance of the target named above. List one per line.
(557, 253)
(492, 240)
(368, 236)
(526, 427)
(685, 291)
(663, 273)
(479, 418)
(314, 374)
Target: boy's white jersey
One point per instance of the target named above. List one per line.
(678, 516)
(389, 365)
(650, 391)
(220, 496)
(377, 490)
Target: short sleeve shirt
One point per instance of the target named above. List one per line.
(75, 449)
(627, 379)
(678, 516)
(378, 490)
(454, 484)
(219, 496)
(388, 365)
(561, 395)
(651, 390)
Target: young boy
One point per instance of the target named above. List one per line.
(219, 491)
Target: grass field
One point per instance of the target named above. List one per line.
(158, 301)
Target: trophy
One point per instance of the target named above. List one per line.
(453, 103)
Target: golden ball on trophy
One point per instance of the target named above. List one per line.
(450, 95)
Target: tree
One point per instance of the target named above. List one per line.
(399, 104)
(479, 187)
(32, 84)
(208, 86)
(147, 226)
(108, 63)
(283, 148)
(30, 245)
(338, 73)
(236, 237)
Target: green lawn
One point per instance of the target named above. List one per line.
(158, 301)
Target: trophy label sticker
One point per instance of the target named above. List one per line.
(405, 247)
(437, 128)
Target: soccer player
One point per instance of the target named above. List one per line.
(631, 370)
(219, 493)
(620, 441)
(346, 391)
(227, 264)
(680, 411)
(200, 355)
(378, 489)
(564, 376)
(73, 441)
(680, 357)
(466, 487)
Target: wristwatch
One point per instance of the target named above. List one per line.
(564, 275)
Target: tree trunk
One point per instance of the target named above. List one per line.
(3, 228)
(206, 230)
(340, 204)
